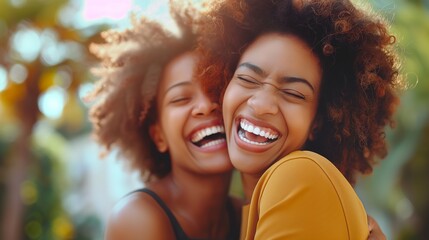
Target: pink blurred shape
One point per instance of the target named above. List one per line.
(106, 9)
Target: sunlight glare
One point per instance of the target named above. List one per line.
(51, 103)
(3, 78)
(17, 3)
(27, 43)
(53, 51)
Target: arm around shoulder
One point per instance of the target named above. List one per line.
(137, 217)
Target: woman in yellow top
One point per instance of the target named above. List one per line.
(299, 79)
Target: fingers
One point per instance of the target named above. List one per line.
(375, 232)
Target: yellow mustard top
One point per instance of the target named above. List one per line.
(304, 196)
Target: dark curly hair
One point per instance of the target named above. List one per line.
(360, 80)
(132, 62)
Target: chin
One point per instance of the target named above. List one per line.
(218, 167)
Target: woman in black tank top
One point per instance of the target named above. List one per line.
(151, 107)
(178, 231)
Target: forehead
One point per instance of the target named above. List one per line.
(277, 45)
(179, 69)
(284, 54)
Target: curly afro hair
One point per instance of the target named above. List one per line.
(360, 80)
(131, 67)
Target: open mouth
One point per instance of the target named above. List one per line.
(209, 136)
(256, 135)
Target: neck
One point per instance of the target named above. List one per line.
(198, 201)
(249, 183)
(200, 189)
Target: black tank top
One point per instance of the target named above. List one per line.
(178, 231)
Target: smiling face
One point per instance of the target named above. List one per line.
(271, 102)
(189, 125)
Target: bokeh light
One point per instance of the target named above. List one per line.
(63, 78)
(29, 193)
(17, 3)
(27, 43)
(62, 228)
(52, 51)
(3, 78)
(18, 73)
(33, 229)
(51, 103)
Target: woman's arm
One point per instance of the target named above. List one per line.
(375, 232)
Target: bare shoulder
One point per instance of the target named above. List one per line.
(138, 216)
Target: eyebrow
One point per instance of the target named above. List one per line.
(177, 85)
(254, 68)
(262, 73)
(299, 80)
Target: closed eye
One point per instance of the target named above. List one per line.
(293, 93)
(248, 80)
(180, 100)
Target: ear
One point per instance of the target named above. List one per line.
(317, 123)
(158, 138)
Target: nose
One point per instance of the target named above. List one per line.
(264, 101)
(204, 105)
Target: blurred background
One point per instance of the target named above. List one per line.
(53, 184)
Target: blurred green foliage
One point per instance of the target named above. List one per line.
(396, 194)
(45, 217)
(32, 178)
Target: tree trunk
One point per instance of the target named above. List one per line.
(18, 165)
(20, 157)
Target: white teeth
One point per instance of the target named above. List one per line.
(212, 143)
(198, 136)
(248, 127)
(256, 130)
(242, 137)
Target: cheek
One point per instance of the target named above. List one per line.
(299, 121)
(230, 104)
(227, 116)
(174, 120)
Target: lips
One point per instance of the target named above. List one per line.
(208, 136)
(256, 135)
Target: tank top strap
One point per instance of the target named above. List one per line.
(178, 231)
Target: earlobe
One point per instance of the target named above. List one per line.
(158, 138)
